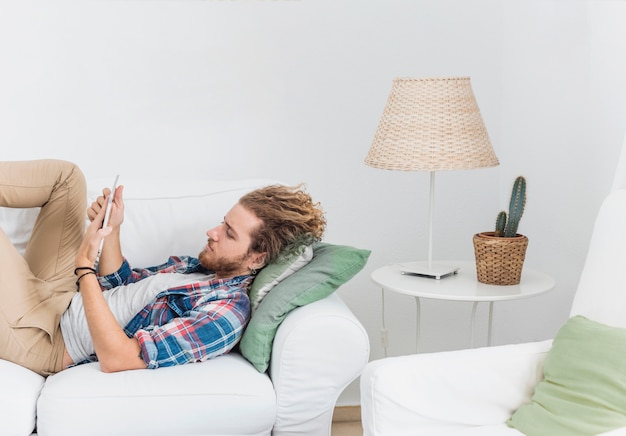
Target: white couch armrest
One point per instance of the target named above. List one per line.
(442, 392)
(318, 350)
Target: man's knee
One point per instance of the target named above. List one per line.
(70, 174)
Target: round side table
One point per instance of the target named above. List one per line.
(462, 286)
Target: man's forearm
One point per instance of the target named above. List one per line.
(115, 350)
(111, 258)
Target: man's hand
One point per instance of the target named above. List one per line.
(111, 257)
(88, 250)
(117, 208)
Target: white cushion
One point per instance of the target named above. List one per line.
(17, 224)
(204, 398)
(173, 210)
(18, 410)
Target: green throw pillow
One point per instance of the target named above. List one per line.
(584, 387)
(286, 264)
(331, 267)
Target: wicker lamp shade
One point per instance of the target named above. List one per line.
(431, 124)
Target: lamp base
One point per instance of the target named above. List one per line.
(421, 269)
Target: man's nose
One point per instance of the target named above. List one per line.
(213, 233)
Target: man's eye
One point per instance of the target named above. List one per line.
(229, 233)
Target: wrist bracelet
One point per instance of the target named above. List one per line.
(83, 275)
(84, 267)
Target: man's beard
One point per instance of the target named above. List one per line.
(223, 267)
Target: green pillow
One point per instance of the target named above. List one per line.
(282, 267)
(331, 267)
(583, 391)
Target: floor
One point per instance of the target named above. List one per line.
(347, 421)
(347, 429)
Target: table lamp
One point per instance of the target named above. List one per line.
(431, 124)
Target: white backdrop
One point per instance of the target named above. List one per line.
(294, 89)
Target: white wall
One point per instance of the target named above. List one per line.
(294, 90)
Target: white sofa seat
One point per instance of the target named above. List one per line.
(203, 398)
(318, 349)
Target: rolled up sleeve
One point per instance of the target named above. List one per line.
(199, 335)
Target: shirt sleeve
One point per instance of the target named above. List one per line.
(201, 334)
(125, 274)
(120, 277)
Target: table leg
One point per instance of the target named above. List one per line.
(490, 323)
(418, 322)
(383, 333)
(473, 323)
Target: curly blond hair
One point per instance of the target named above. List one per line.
(289, 216)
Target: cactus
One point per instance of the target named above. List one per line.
(516, 207)
(500, 224)
(507, 226)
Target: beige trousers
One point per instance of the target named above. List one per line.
(37, 288)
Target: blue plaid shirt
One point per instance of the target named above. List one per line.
(190, 323)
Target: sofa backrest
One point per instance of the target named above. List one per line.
(17, 224)
(601, 293)
(165, 217)
(162, 217)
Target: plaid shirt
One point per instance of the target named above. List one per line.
(190, 323)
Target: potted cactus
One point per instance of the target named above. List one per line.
(500, 254)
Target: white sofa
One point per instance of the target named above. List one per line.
(317, 351)
(475, 391)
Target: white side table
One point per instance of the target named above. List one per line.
(462, 286)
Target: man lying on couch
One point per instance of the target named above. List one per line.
(185, 310)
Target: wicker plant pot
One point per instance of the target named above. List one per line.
(499, 260)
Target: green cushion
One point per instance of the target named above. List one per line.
(583, 391)
(282, 267)
(331, 267)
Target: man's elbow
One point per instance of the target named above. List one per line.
(122, 361)
(109, 368)
(117, 366)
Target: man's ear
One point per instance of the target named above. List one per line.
(258, 260)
